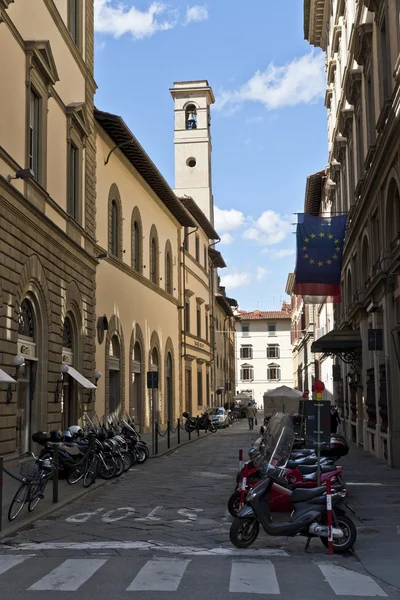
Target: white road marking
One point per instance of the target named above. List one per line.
(349, 583)
(212, 475)
(151, 545)
(150, 516)
(253, 578)
(70, 575)
(9, 561)
(374, 484)
(128, 512)
(159, 576)
(83, 517)
(189, 513)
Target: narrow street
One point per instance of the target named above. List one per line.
(162, 531)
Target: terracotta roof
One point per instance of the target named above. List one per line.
(120, 133)
(263, 314)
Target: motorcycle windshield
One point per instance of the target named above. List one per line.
(275, 452)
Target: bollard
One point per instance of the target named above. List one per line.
(329, 511)
(156, 437)
(179, 431)
(190, 431)
(240, 459)
(168, 436)
(1, 491)
(198, 426)
(55, 475)
(243, 486)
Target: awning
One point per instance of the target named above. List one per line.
(81, 379)
(5, 378)
(337, 341)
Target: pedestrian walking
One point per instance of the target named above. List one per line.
(251, 414)
(335, 419)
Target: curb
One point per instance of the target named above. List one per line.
(13, 529)
(171, 450)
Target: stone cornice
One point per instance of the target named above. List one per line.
(5, 3)
(363, 43)
(353, 86)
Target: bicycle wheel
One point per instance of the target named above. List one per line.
(38, 494)
(107, 467)
(119, 466)
(126, 460)
(18, 501)
(91, 473)
(75, 475)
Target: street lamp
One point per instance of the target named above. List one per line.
(17, 362)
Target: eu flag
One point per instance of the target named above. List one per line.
(319, 255)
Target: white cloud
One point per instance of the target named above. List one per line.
(115, 18)
(227, 238)
(262, 272)
(196, 13)
(235, 280)
(277, 254)
(300, 81)
(270, 228)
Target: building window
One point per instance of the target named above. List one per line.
(385, 62)
(73, 182)
(271, 328)
(191, 117)
(245, 330)
(186, 239)
(168, 272)
(197, 248)
(207, 326)
(153, 260)
(246, 352)
(272, 351)
(187, 316)
(136, 246)
(74, 20)
(34, 133)
(199, 389)
(198, 317)
(114, 228)
(247, 373)
(273, 372)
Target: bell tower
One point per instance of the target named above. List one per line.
(192, 140)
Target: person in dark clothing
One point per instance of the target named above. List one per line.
(335, 419)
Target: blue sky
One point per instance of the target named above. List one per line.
(268, 124)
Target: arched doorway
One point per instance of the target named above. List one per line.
(115, 375)
(27, 413)
(69, 398)
(136, 403)
(154, 396)
(169, 407)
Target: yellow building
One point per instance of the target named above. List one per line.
(47, 217)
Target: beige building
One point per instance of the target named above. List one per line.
(224, 344)
(362, 44)
(47, 217)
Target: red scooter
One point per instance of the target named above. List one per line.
(298, 476)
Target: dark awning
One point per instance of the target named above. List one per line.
(337, 341)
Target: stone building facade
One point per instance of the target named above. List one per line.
(362, 45)
(47, 217)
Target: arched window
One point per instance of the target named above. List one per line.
(26, 321)
(169, 387)
(154, 270)
(114, 228)
(191, 117)
(136, 248)
(67, 334)
(115, 374)
(169, 284)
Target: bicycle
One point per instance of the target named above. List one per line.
(87, 468)
(35, 475)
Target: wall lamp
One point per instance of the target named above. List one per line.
(21, 174)
(17, 362)
(92, 392)
(58, 392)
(102, 256)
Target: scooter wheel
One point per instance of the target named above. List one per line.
(342, 545)
(244, 532)
(234, 504)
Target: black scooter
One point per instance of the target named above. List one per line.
(308, 519)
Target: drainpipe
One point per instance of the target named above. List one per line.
(212, 318)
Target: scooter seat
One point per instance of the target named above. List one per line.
(306, 494)
(307, 470)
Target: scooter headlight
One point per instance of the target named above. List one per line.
(251, 494)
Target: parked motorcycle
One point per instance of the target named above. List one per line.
(309, 516)
(203, 422)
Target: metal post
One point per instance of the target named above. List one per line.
(1, 491)
(156, 435)
(55, 475)
(179, 431)
(153, 447)
(329, 512)
(198, 426)
(319, 443)
(168, 436)
(190, 431)
(240, 459)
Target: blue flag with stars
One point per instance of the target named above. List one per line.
(319, 254)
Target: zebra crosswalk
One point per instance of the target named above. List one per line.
(174, 576)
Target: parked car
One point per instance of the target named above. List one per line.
(219, 416)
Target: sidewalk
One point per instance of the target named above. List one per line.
(374, 494)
